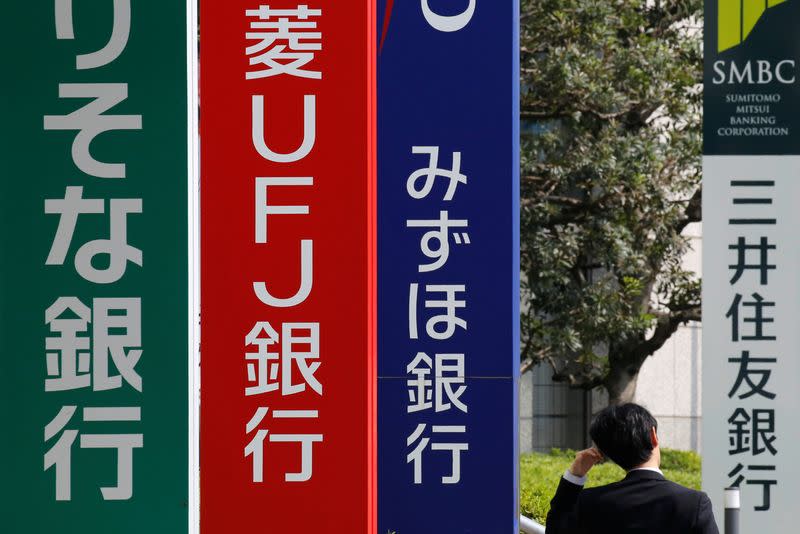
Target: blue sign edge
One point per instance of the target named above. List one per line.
(515, 250)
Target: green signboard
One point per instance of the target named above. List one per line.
(94, 268)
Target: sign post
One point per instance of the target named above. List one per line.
(751, 294)
(448, 266)
(94, 263)
(288, 356)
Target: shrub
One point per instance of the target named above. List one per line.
(540, 474)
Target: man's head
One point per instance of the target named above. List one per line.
(626, 434)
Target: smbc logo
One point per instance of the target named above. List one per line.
(737, 18)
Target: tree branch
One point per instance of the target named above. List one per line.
(693, 212)
(666, 325)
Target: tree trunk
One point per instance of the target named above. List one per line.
(621, 384)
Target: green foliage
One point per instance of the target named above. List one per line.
(611, 103)
(540, 474)
(680, 461)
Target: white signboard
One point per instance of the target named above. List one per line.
(751, 336)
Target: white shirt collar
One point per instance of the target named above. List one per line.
(653, 469)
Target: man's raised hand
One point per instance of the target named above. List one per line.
(585, 460)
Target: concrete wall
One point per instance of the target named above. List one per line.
(670, 384)
(551, 414)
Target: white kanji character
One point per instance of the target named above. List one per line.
(435, 244)
(60, 454)
(415, 456)
(284, 46)
(90, 122)
(68, 358)
(115, 46)
(306, 443)
(123, 348)
(420, 388)
(309, 131)
(450, 373)
(264, 366)
(255, 447)
(432, 171)
(455, 449)
(291, 357)
(123, 443)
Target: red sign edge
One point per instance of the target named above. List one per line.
(372, 270)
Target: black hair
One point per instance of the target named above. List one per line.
(622, 433)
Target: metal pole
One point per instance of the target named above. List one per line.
(529, 526)
(732, 506)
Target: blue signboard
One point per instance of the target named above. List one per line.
(448, 269)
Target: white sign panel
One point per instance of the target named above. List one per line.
(751, 336)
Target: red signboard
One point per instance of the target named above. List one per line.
(288, 274)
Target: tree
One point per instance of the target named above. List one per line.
(611, 90)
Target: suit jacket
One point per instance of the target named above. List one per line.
(644, 502)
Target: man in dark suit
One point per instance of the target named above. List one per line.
(644, 502)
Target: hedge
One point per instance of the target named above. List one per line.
(540, 474)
